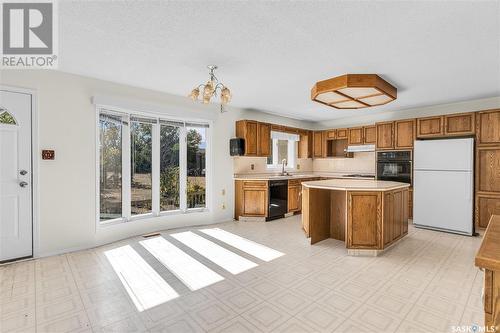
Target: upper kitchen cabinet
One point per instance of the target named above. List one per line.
(488, 127)
(404, 134)
(429, 127)
(319, 138)
(257, 137)
(342, 133)
(247, 129)
(305, 146)
(264, 139)
(355, 136)
(385, 135)
(331, 134)
(369, 134)
(459, 124)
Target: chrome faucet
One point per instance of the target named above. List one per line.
(283, 172)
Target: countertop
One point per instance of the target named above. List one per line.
(355, 185)
(488, 255)
(340, 175)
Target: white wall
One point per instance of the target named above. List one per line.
(67, 189)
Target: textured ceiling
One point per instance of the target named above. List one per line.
(271, 53)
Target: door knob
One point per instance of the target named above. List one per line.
(23, 172)
(23, 184)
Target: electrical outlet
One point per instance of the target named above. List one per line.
(252, 166)
(298, 166)
(223, 206)
(223, 191)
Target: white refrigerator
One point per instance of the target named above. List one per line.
(444, 185)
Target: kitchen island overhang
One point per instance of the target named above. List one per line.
(368, 215)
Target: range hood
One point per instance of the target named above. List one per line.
(360, 148)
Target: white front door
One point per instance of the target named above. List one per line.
(16, 227)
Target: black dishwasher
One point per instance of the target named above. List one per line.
(278, 199)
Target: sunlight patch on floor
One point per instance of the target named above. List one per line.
(144, 285)
(226, 259)
(255, 249)
(190, 271)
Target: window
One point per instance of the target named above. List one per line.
(196, 146)
(110, 148)
(141, 158)
(169, 166)
(150, 165)
(6, 118)
(283, 147)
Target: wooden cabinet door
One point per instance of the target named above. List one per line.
(404, 133)
(355, 136)
(488, 169)
(486, 205)
(318, 144)
(397, 229)
(264, 139)
(406, 211)
(369, 135)
(342, 133)
(410, 205)
(388, 217)
(303, 146)
(385, 135)
(488, 127)
(430, 127)
(364, 220)
(254, 202)
(459, 124)
(331, 134)
(247, 129)
(294, 202)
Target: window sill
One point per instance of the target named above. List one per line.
(144, 217)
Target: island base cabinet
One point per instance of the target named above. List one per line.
(364, 220)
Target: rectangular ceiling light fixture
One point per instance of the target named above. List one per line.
(255, 249)
(226, 259)
(143, 284)
(190, 271)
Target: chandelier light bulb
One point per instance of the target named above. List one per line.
(194, 94)
(225, 95)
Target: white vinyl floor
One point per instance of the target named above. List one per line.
(246, 277)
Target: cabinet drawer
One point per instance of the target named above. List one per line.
(255, 184)
(294, 182)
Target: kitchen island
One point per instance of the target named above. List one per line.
(368, 215)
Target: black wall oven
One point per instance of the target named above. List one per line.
(395, 166)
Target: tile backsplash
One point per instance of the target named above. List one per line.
(361, 163)
(243, 165)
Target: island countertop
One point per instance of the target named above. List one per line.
(355, 185)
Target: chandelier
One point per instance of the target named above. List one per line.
(210, 89)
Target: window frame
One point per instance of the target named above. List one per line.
(126, 114)
(291, 163)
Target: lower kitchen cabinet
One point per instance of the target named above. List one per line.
(294, 196)
(251, 198)
(364, 219)
(486, 206)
